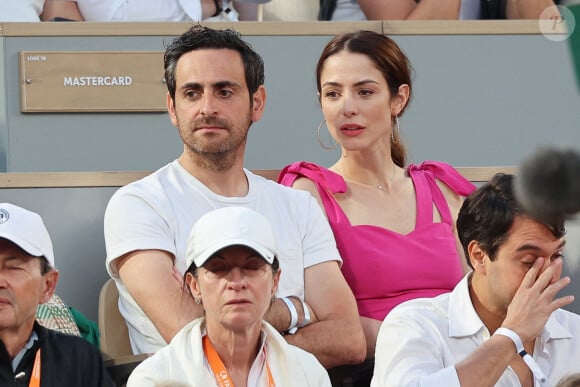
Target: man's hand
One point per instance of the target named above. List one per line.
(535, 300)
(527, 314)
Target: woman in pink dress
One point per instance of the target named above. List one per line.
(394, 224)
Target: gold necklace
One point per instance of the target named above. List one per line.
(379, 186)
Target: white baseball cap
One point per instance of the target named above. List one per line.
(230, 226)
(27, 230)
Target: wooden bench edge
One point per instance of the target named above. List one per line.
(118, 179)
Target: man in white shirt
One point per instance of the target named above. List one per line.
(502, 324)
(215, 92)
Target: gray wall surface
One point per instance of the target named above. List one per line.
(479, 100)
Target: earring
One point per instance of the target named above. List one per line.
(197, 300)
(333, 146)
(395, 133)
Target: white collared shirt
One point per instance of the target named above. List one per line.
(16, 360)
(183, 362)
(421, 340)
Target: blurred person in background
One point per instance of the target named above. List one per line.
(150, 10)
(436, 9)
(20, 10)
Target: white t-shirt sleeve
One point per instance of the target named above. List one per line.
(407, 353)
(319, 244)
(134, 222)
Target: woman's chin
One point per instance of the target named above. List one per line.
(239, 321)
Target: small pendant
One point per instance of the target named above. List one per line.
(379, 186)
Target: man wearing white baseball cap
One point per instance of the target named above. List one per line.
(233, 272)
(31, 355)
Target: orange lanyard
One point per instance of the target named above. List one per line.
(35, 377)
(218, 368)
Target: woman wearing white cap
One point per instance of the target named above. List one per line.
(233, 272)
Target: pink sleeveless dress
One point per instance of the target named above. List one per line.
(383, 267)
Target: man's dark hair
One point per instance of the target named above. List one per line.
(200, 38)
(488, 214)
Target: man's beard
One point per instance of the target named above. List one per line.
(218, 155)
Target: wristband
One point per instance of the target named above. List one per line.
(306, 319)
(218, 7)
(293, 315)
(530, 362)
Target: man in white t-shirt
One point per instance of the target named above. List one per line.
(501, 325)
(215, 82)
